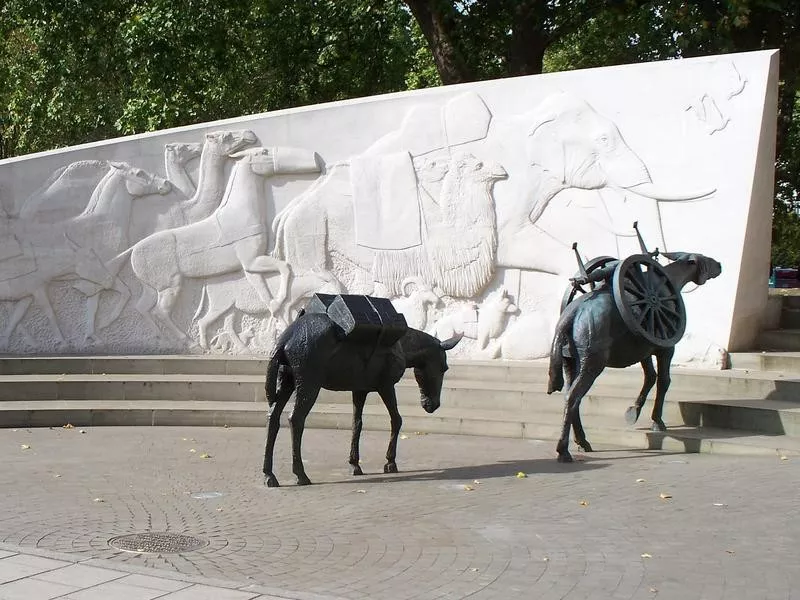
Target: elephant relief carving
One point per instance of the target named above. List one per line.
(569, 145)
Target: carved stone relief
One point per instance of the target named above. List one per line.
(442, 213)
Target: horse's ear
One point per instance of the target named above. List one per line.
(451, 343)
(238, 155)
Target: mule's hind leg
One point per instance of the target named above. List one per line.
(304, 400)
(390, 400)
(577, 426)
(284, 392)
(663, 358)
(359, 399)
(632, 414)
(587, 372)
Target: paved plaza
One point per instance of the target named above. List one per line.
(456, 523)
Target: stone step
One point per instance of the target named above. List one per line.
(338, 416)
(202, 370)
(790, 317)
(787, 363)
(462, 397)
(779, 340)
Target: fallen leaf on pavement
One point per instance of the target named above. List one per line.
(646, 555)
(521, 475)
(69, 426)
(476, 482)
(546, 559)
(192, 450)
(653, 590)
(731, 551)
(83, 431)
(56, 475)
(664, 496)
(719, 504)
(25, 446)
(403, 436)
(784, 457)
(205, 455)
(361, 491)
(98, 500)
(473, 569)
(468, 488)
(640, 480)
(584, 503)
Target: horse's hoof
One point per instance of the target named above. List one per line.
(585, 446)
(272, 481)
(631, 415)
(390, 468)
(659, 426)
(303, 480)
(356, 470)
(565, 458)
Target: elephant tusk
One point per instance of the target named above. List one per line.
(650, 190)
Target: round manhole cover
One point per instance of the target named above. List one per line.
(155, 542)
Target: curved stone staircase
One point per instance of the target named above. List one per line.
(753, 408)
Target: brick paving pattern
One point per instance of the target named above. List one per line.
(456, 523)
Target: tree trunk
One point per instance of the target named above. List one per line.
(435, 19)
(528, 41)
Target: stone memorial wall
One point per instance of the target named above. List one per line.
(459, 203)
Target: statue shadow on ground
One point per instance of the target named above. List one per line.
(507, 468)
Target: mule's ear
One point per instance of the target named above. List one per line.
(451, 343)
(673, 256)
(238, 155)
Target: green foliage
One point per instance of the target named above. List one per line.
(74, 71)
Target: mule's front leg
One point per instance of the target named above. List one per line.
(632, 414)
(359, 399)
(663, 359)
(390, 400)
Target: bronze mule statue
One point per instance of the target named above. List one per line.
(634, 314)
(331, 346)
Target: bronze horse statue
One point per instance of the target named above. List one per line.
(311, 354)
(592, 334)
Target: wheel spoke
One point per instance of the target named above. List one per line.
(662, 328)
(651, 322)
(639, 302)
(633, 278)
(671, 311)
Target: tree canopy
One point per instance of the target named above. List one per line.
(74, 71)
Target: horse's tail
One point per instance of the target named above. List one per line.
(115, 264)
(203, 297)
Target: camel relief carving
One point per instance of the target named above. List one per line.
(459, 238)
(233, 238)
(176, 157)
(571, 146)
(722, 84)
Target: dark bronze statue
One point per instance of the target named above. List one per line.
(352, 343)
(632, 312)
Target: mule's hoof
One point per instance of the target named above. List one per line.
(356, 470)
(390, 468)
(659, 426)
(565, 458)
(584, 445)
(631, 415)
(303, 480)
(272, 481)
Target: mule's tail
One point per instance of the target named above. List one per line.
(556, 380)
(271, 385)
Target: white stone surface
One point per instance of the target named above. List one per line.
(460, 203)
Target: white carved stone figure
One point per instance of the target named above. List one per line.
(232, 238)
(218, 147)
(64, 194)
(570, 145)
(493, 315)
(463, 321)
(225, 293)
(176, 156)
(416, 302)
(95, 235)
(457, 254)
